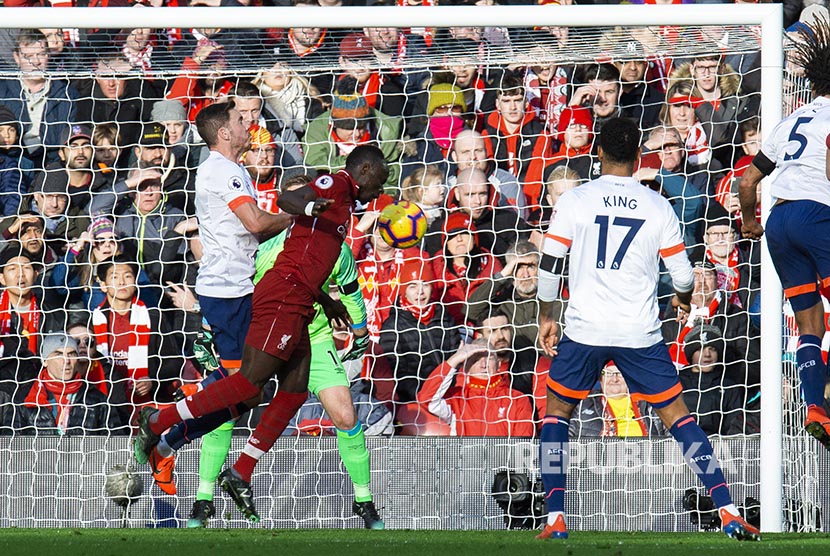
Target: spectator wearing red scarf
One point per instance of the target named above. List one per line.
(20, 311)
(471, 393)
(381, 93)
(418, 334)
(59, 401)
(331, 136)
(517, 139)
(463, 265)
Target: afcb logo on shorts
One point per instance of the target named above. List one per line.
(235, 184)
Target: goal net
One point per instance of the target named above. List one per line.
(483, 127)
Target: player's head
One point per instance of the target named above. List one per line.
(619, 141)
(222, 123)
(369, 169)
(812, 52)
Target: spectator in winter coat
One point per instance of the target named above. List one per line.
(60, 402)
(470, 392)
(716, 402)
(418, 334)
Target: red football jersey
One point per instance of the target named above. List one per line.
(313, 244)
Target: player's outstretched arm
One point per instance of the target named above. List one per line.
(261, 223)
(303, 200)
(750, 228)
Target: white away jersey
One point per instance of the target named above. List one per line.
(227, 266)
(798, 147)
(616, 229)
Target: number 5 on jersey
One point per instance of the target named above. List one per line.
(633, 225)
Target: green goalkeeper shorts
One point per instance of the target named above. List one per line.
(326, 368)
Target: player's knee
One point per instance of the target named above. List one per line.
(343, 418)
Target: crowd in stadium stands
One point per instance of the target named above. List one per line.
(98, 158)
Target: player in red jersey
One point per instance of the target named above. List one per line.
(277, 341)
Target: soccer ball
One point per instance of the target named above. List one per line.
(123, 486)
(402, 224)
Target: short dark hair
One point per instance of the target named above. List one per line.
(599, 72)
(246, 89)
(105, 266)
(511, 86)
(29, 36)
(365, 154)
(620, 140)
(749, 125)
(211, 119)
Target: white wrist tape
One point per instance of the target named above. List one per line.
(309, 208)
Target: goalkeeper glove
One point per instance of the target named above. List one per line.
(205, 352)
(359, 346)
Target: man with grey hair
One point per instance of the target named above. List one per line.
(512, 291)
(496, 228)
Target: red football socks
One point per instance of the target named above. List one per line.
(274, 420)
(223, 394)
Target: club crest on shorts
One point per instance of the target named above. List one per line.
(284, 341)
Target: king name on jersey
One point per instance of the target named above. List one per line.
(619, 201)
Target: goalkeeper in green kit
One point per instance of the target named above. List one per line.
(327, 381)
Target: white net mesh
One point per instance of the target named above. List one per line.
(315, 94)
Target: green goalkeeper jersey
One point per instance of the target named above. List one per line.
(344, 275)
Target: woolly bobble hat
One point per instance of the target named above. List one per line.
(260, 137)
(101, 225)
(349, 107)
(576, 115)
(445, 93)
(415, 269)
(700, 336)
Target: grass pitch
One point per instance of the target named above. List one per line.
(346, 542)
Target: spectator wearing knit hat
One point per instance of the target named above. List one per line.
(59, 402)
(462, 266)
(418, 334)
(357, 58)
(576, 142)
(350, 122)
(266, 174)
(715, 400)
(709, 305)
(180, 133)
(432, 142)
(50, 203)
(73, 277)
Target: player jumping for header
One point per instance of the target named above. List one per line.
(799, 220)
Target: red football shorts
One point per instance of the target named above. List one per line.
(280, 316)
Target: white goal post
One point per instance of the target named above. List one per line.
(768, 17)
